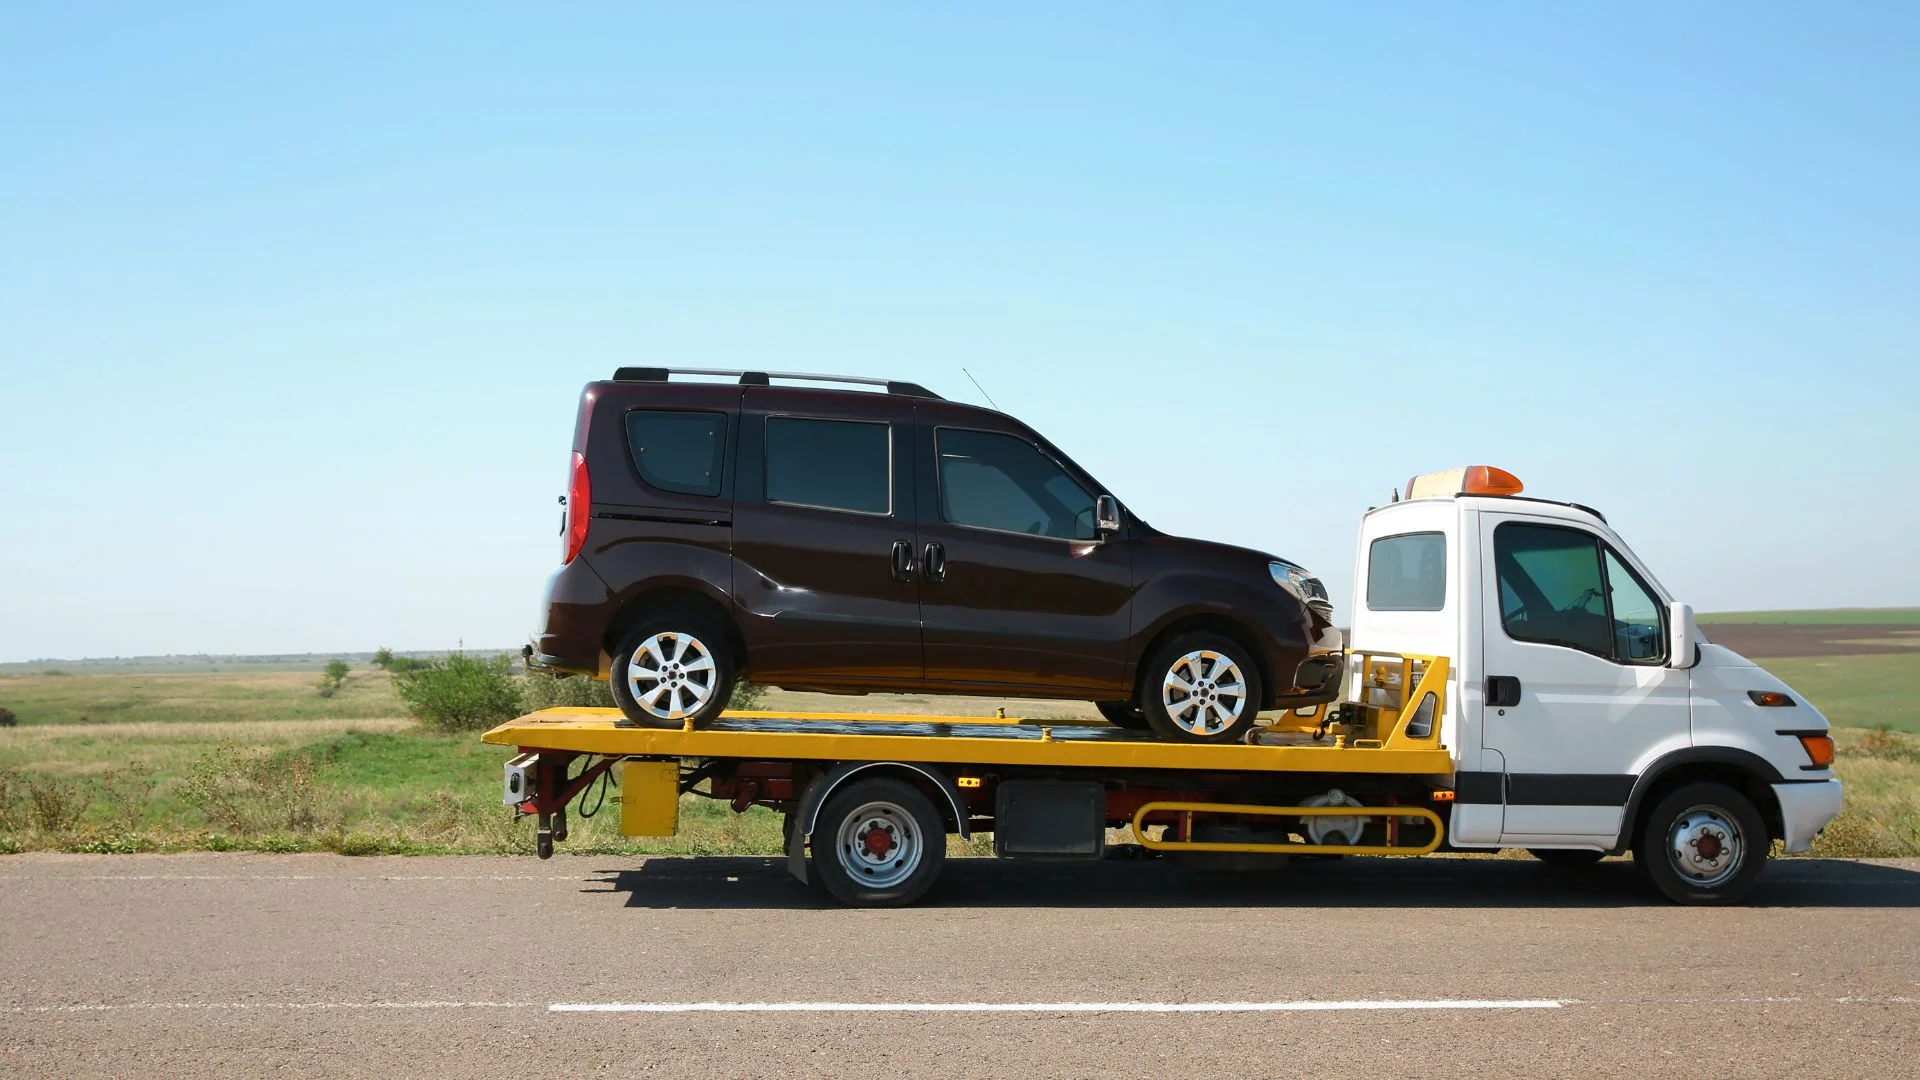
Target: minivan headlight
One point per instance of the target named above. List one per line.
(1298, 581)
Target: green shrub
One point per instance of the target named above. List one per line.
(333, 677)
(254, 793)
(125, 792)
(55, 805)
(460, 692)
(382, 658)
(539, 690)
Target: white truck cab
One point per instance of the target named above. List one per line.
(1587, 713)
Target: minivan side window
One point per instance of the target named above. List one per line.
(678, 451)
(1407, 572)
(1565, 587)
(830, 464)
(990, 480)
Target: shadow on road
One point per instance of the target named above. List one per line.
(721, 882)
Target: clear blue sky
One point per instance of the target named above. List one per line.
(295, 302)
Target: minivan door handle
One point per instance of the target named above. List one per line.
(936, 562)
(902, 560)
(1503, 691)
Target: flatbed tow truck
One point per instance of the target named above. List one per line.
(1514, 678)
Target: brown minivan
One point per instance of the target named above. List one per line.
(840, 539)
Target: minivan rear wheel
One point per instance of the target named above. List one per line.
(671, 669)
(1201, 687)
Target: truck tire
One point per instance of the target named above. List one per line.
(1124, 714)
(1201, 687)
(670, 668)
(1703, 843)
(878, 843)
(1567, 858)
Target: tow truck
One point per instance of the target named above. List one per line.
(1514, 677)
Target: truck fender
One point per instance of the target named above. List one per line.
(824, 785)
(1744, 760)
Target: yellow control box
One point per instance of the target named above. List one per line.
(649, 798)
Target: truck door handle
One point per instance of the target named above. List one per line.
(902, 560)
(1503, 691)
(936, 562)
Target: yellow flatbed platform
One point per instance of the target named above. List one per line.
(954, 740)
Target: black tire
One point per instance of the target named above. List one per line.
(1125, 714)
(670, 638)
(1689, 817)
(1178, 724)
(849, 863)
(1567, 858)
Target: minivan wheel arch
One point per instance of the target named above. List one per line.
(673, 599)
(1748, 772)
(1210, 622)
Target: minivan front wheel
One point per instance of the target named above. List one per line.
(1201, 687)
(672, 669)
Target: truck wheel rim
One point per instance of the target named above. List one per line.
(1705, 846)
(879, 845)
(1204, 692)
(671, 675)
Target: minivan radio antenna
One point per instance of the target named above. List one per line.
(982, 389)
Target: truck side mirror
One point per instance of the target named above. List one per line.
(1106, 514)
(1683, 640)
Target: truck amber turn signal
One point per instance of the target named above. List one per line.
(1771, 699)
(1819, 749)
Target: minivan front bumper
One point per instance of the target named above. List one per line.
(1805, 809)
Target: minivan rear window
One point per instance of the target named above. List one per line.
(831, 464)
(679, 451)
(1407, 572)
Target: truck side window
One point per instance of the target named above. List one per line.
(830, 464)
(678, 451)
(1564, 587)
(1002, 482)
(1407, 572)
(1639, 634)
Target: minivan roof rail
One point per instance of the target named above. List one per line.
(765, 378)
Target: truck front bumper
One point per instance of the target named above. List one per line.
(1805, 809)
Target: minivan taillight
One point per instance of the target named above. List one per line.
(579, 507)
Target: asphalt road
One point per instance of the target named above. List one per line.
(237, 965)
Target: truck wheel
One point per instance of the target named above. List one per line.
(1703, 844)
(1567, 858)
(878, 843)
(1124, 714)
(670, 668)
(1201, 687)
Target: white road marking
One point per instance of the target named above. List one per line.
(1037, 1007)
(137, 1006)
(1027, 1006)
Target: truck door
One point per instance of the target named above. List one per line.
(1578, 693)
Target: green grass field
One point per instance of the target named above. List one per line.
(352, 774)
(1826, 617)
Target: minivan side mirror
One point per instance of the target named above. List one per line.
(1106, 514)
(1683, 639)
